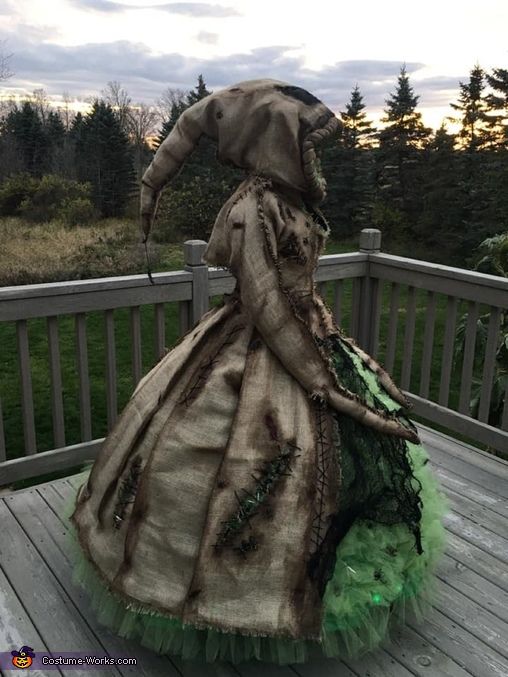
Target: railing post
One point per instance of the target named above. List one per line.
(193, 251)
(370, 243)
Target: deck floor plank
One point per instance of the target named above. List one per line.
(478, 535)
(42, 595)
(479, 589)
(16, 628)
(478, 560)
(33, 509)
(484, 517)
(476, 494)
(485, 479)
(465, 635)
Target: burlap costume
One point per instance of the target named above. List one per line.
(266, 445)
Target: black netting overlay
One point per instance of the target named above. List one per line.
(377, 474)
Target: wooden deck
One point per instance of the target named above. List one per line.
(468, 634)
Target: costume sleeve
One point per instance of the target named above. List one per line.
(253, 227)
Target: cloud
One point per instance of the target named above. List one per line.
(198, 9)
(207, 38)
(85, 69)
(101, 5)
(193, 9)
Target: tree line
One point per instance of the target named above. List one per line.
(444, 191)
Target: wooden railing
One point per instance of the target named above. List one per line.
(366, 286)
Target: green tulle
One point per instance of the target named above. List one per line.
(360, 609)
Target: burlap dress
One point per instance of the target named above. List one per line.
(263, 493)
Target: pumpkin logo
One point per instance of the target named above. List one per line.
(23, 658)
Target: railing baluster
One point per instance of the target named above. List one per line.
(354, 322)
(160, 331)
(322, 286)
(183, 317)
(489, 364)
(504, 419)
(337, 302)
(468, 361)
(111, 397)
(409, 334)
(27, 404)
(428, 344)
(56, 383)
(83, 376)
(3, 455)
(377, 294)
(135, 326)
(447, 355)
(391, 340)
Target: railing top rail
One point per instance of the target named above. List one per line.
(441, 271)
(26, 291)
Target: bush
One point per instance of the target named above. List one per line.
(77, 211)
(14, 191)
(190, 211)
(53, 193)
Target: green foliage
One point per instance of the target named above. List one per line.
(55, 197)
(357, 130)
(349, 167)
(26, 129)
(473, 112)
(189, 210)
(399, 166)
(404, 127)
(498, 106)
(104, 159)
(494, 261)
(14, 190)
(77, 211)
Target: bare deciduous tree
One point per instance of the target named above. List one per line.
(65, 112)
(39, 100)
(169, 97)
(142, 123)
(119, 99)
(5, 72)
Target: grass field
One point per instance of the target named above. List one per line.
(169, 258)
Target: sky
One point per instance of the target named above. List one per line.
(325, 46)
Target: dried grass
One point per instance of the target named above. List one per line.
(51, 252)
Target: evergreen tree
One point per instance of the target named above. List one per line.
(399, 166)
(479, 164)
(497, 103)
(348, 164)
(24, 126)
(498, 164)
(357, 130)
(404, 129)
(198, 93)
(440, 223)
(104, 158)
(56, 141)
(76, 129)
(177, 109)
(473, 108)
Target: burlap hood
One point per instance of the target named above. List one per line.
(266, 127)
